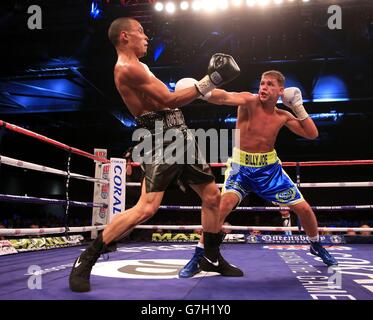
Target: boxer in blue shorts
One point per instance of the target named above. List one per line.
(254, 166)
(261, 173)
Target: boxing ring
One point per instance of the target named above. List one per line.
(149, 271)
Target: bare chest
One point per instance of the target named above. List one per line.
(259, 122)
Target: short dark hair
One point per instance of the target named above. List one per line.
(277, 75)
(116, 27)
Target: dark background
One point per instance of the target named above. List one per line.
(58, 81)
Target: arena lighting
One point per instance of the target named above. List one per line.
(158, 51)
(230, 120)
(159, 6)
(196, 5)
(209, 5)
(223, 4)
(184, 5)
(263, 2)
(329, 88)
(96, 11)
(170, 7)
(333, 116)
(213, 5)
(236, 3)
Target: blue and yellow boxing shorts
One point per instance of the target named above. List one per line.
(261, 173)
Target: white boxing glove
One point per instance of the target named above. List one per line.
(187, 83)
(292, 98)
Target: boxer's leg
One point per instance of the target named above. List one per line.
(145, 208)
(212, 259)
(309, 223)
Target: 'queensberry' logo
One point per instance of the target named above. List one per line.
(286, 195)
(117, 189)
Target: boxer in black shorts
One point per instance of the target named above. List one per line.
(150, 102)
(160, 172)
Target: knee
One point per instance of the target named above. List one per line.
(227, 204)
(304, 210)
(148, 210)
(212, 200)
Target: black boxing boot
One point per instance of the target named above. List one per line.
(213, 261)
(112, 247)
(81, 270)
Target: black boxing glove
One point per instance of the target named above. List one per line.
(221, 70)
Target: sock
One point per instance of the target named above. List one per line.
(315, 239)
(212, 243)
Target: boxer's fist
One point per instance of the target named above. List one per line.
(292, 98)
(221, 70)
(187, 83)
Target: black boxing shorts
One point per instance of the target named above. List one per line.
(190, 167)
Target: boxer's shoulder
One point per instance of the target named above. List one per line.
(131, 72)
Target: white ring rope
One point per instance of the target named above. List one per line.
(21, 232)
(36, 167)
(29, 232)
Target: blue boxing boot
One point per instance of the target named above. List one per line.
(192, 267)
(317, 250)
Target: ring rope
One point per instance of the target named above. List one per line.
(255, 209)
(301, 163)
(27, 199)
(25, 231)
(36, 167)
(302, 185)
(67, 195)
(60, 145)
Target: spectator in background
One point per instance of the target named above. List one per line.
(2, 227)
(34, 225)
(198, 231)
(365, 233)
(351, 233)
(128, 157)
(255, 232)
(226, 230)
(286, 220)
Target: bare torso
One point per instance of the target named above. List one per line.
(259, 127)
(136, 101)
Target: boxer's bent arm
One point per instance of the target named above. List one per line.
(222, 97)
(305, 128)
(136, 77)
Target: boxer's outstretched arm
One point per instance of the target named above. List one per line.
(223, 97)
